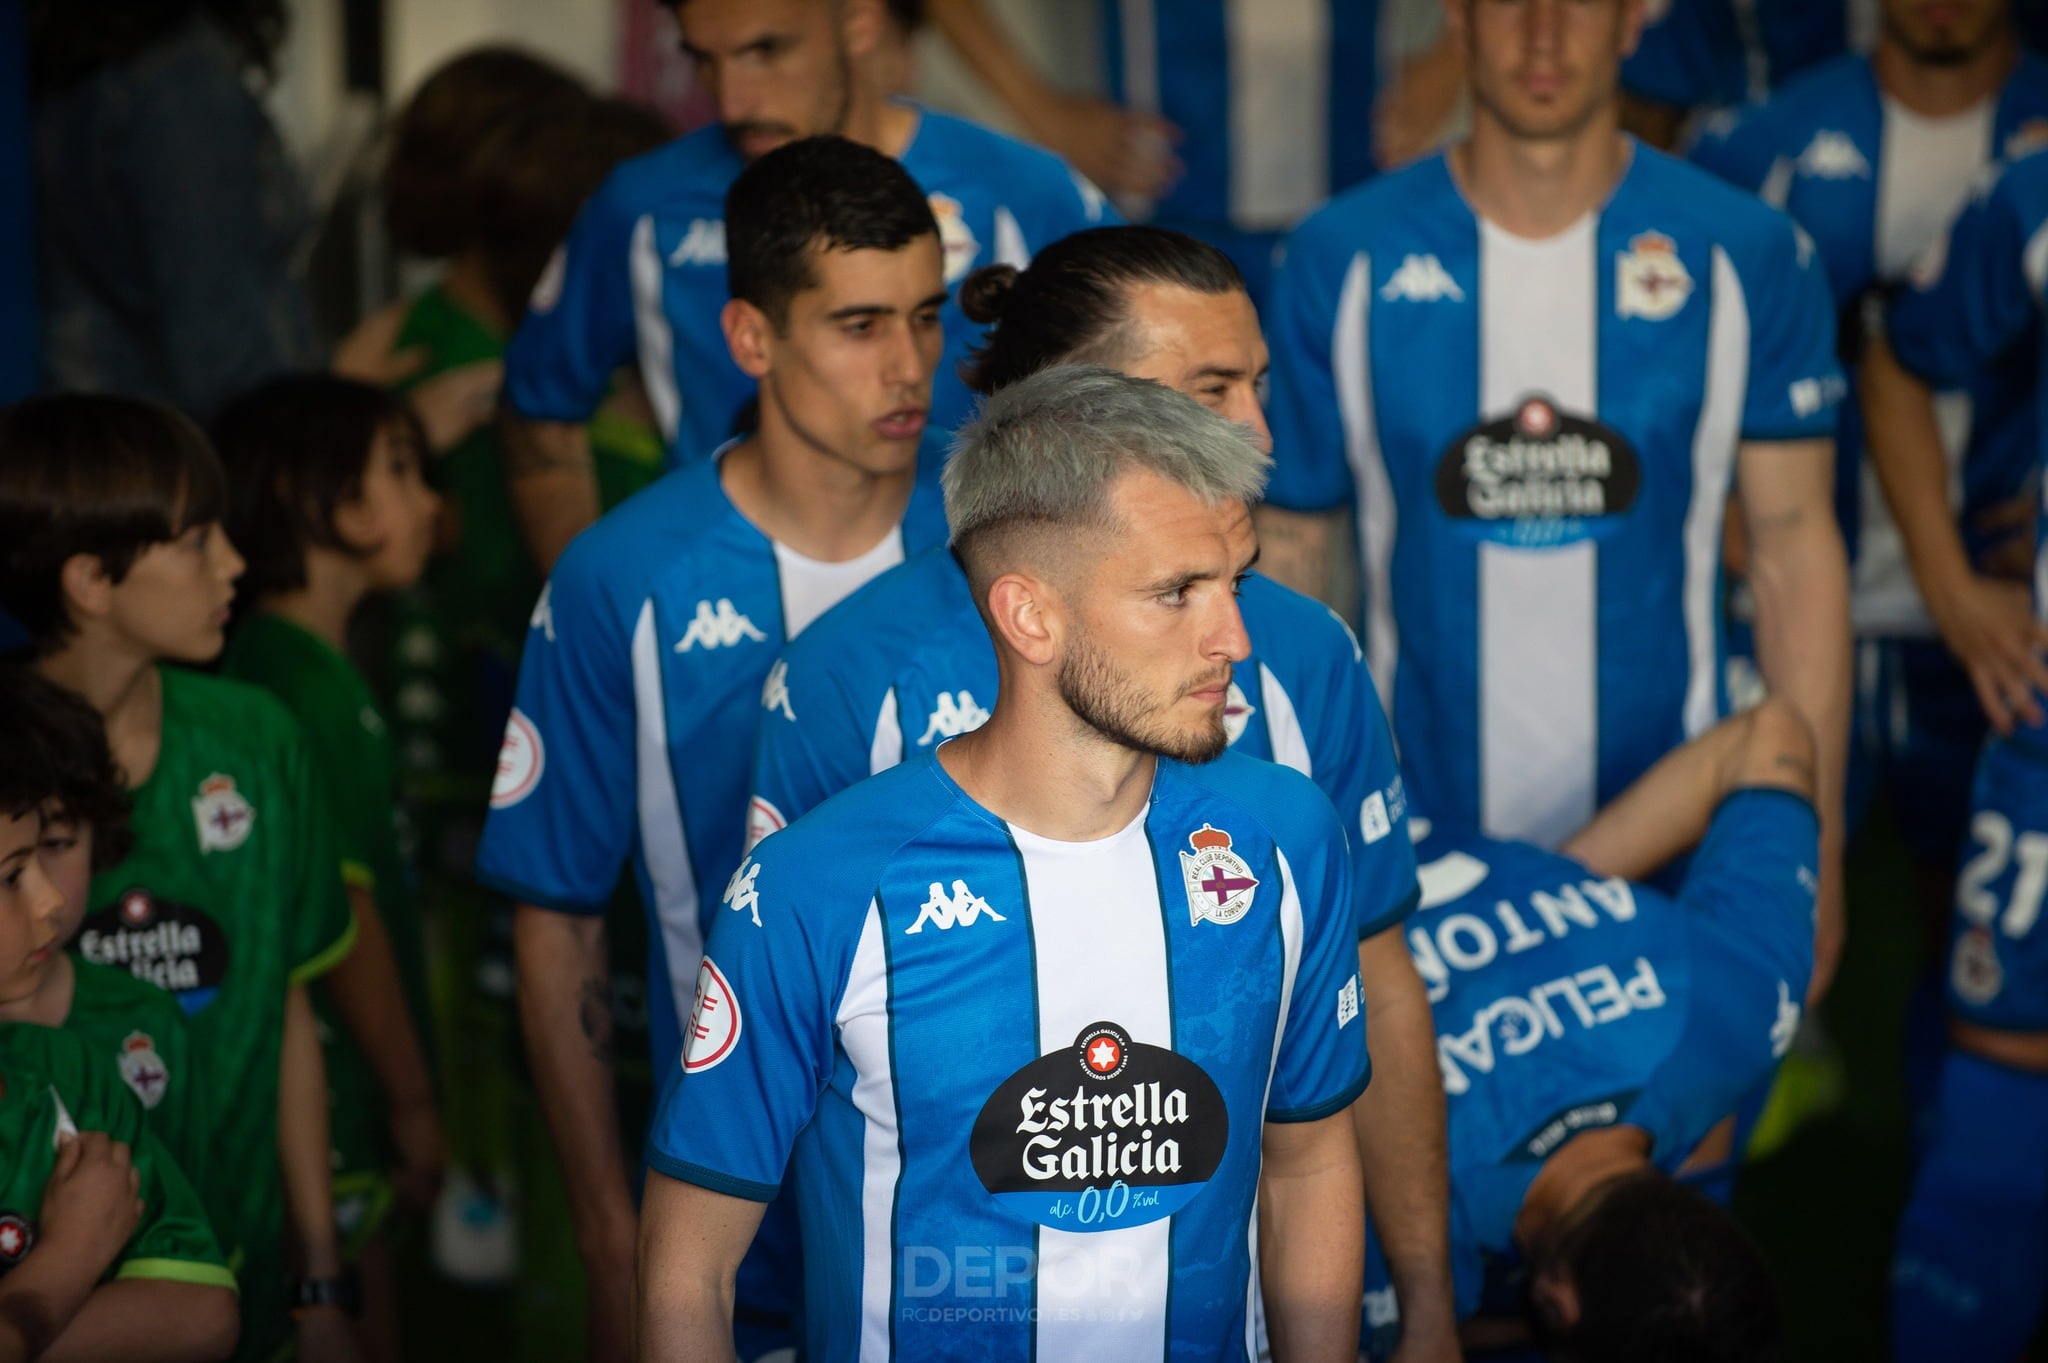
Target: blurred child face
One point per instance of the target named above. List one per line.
(392, 519)
(66, 853)
(29, 907)
(174, 601)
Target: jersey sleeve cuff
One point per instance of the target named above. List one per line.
(193, 1271)
(686, 1172)
(1760, 794)
(331, 956)
(526, 894)
(1329, 1107)
(1394, 916)
(1784, 435)
(357, 875)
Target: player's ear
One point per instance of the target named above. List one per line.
(88, 589)
(860, 26)
(1634, 13)
(1022, 610)
(1555, 1299)
(750, 336)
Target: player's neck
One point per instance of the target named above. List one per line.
(334, 587)
(1033, 765)
(884, 124)
(1936, 91)
(121, 682)
(1536, 188)
(466, 280)
(1578, 1167)
(799, 495)
(51, 1003)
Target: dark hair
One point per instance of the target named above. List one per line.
(69, 41)
(57, 746)
(1663, 1271)
(815, 194)
(534, 172)
(430, 185)
(93, 474)
(1072, 304)
(908, 14)
(295, 448)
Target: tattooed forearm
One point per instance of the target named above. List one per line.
(594, 1013)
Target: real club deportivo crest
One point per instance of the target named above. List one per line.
(1220, 886)
(224, 814)
(1650, 281)
(143, 1068)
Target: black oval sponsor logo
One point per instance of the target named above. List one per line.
(1106, 1133)
(173, 946)
(1538, 474)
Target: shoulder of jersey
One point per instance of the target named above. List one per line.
(693, 169)
(1685, 195)
(957, 145)
(920, 599)
(1816, 98)
(649, 530)
(251, 717)
(1420, 190)
(1287, 804)
(1277, 617)
(48, 1053)
(849, 838)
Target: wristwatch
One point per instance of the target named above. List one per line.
(344, 1292)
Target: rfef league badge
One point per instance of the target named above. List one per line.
(224, 814)
(1219, 884)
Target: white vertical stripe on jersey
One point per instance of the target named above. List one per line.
(1279, 67)
(1010, 248)
(1351, 362)
(657, 344)
(1098, 936)
(885, 749)
(662, 844)
(863, 1023)
(1714, 443)
(1539, 680)
(1141, 55)
(1283, 725)
(1290, 964)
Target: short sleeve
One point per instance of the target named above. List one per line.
(1309, 468)
(1795, 379)
(1755, 876)
(1322, 1066)
(578, 328)
(809, 750)
(175, 1242)
(760, 1045)
(562, 806)
(322, 931)
(1969, 300)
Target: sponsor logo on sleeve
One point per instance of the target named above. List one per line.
(1372, 818)
(1538, 476)
(1100, 1135)
(223, 814)
(1650, 281)
(740, 895)
(763, 818)
(522, 758)
(174, 946)
(143, 1069)
(1347, 1003)
(1219, 884)
(17, 1238)
(714, 1021)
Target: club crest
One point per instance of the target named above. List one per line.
(144, 1069)
(1220, 886)
(1649, 279)
(223, 814)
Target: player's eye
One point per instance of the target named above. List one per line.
(1262, 388)
(1214, 394)
(1177, 596)
(1237, 584)
(202, 536)
(58, 844)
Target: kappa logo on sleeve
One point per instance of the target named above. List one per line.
(1219, 884)
(714, 1021)
(740, 894)
(775, 691)
(522, 758)
(543, 617)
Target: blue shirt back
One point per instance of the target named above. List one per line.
(906, 663)
(642, 275)
(1550, 497)
(1875, 186)
(634, 719)
(1713, 53)
(1566, 1001)
(1021, 1084)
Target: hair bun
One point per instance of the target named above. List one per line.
(986, 293)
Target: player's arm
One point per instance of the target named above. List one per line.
(90, 1207)
(303, 1153)
(150, 1320)
(1312, 1238)
(691, 1244)
(552, 477)
(365, 988)
(1124, 151)
(1666, 810)
(1799, 573)
(565, 1013)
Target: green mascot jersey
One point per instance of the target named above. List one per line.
(231, 896)
(140, 1033)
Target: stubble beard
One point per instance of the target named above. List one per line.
(1104, 697)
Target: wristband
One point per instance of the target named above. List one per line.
(343, 1293)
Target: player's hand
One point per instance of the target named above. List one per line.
(1990, 626)
(327, 1335)
(92, 1203)
(1126, 154)
(422, 1155)
(611, 1309)
(2007, 528)
(455, 403)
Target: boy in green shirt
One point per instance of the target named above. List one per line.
(113, 561)
(105, 1249)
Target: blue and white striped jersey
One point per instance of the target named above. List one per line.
(1707, 54)
(1273, 97)
(1566, 1000)
(1980, 294)
(634, 723)
(905, 663)
(1874, 185)
(1540, 437)
(1021, 1084)
(642, 275)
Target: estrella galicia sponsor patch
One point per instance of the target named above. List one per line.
(1103, 1134)
(17, 1238)
(173, 946)
(1538, 476)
